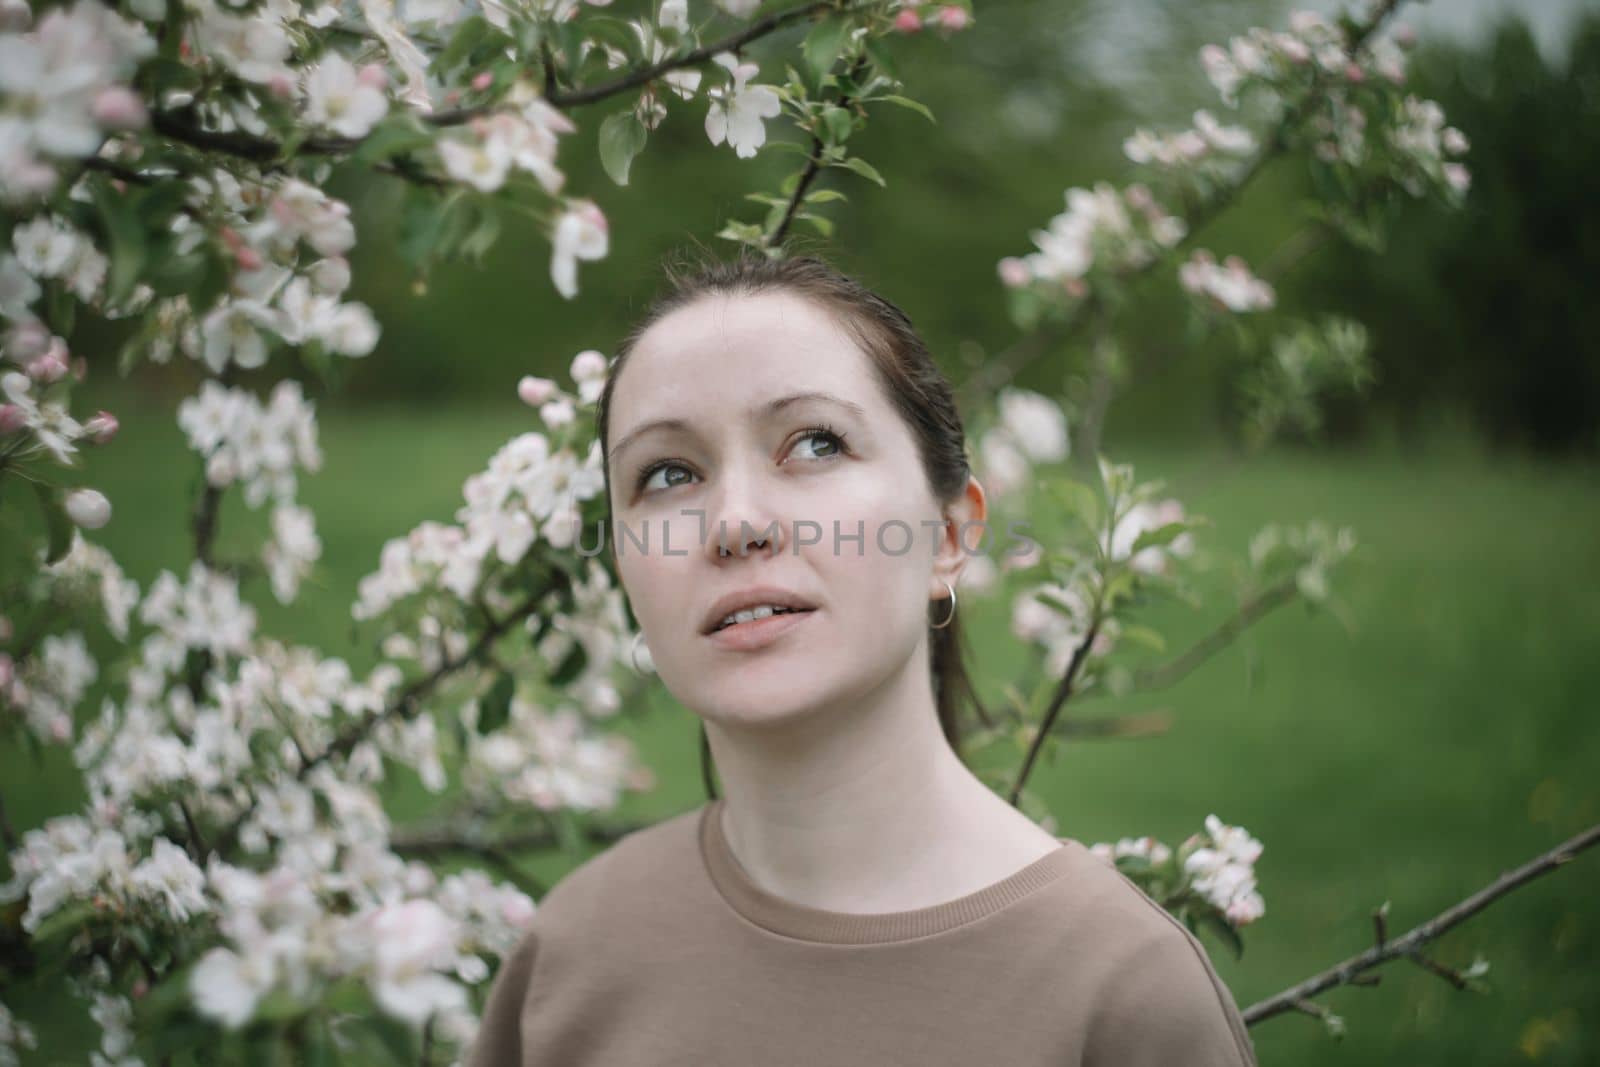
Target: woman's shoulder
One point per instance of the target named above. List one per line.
(1153, 975)
(637, 861)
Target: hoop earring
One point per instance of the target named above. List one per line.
(633, 652)
(950, 617)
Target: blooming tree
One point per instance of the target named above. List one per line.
(233, 879)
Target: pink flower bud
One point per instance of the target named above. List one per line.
(1295, 50)
(281, 85)
(482, 81)
(117, 107)
(141, 988)
(1405, 35)
(1076, 288)
(102, 427)
(61, 727)
(80, 368)
(588, 364)
(535, 391)
(907, 21)
(11, 418)
(247, 258)
(951, 17)
(1014, 273)
(373, 76)
(47, 369)
(1354, 74)
(26, 340)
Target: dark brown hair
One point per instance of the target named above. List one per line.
(904, 368)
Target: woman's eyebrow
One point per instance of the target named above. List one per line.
(770, 407)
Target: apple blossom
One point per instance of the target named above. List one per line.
(580, 233)
(737, 110)
(88, 508)
(341, 100)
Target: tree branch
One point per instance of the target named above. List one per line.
(813, 166)
(1017, 357)
(1249, 612)
(404, 705)
(1409, 945)
(265, 150)
(1063, 690)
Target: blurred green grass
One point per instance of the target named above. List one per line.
(1447, 738)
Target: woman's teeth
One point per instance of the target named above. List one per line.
(754, 613)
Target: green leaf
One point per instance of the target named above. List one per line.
(56, 522)
(571, 666)
(1049, 599)
(1081, 501)
(1158, 537)
(878, 49)
(743, 232)
(622, 136)
(467, 37)
(396, 1037)
(915, 105)
(824, 43)
(839, 123)
(824, 226)
(1144, 635)
(1224, 931)
(495, 708)
(824, 196)
(482, 237)
(391, 138)
(124, 239)
(865, 169)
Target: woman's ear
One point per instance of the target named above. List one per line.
(965, 533)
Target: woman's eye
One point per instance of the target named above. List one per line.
(816, 434)
(648, 479)
(832, 446)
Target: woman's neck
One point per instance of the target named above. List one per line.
(865, 808)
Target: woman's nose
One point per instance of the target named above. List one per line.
(742, 519)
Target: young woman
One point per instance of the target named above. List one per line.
(788, 479)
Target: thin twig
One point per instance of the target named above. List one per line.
(1411, 943)
(1063, 691)
(1249, 612)
(813, 165)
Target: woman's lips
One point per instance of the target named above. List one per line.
(749, 636)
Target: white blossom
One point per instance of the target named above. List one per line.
(580, 233)
(737, 111)
(337, 98)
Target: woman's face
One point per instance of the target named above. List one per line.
(750, 448)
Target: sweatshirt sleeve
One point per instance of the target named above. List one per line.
(499, 1040)
(1163, 1004)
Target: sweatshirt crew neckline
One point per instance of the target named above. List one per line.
(785, 917)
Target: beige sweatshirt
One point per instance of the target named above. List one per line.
(662, 951)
